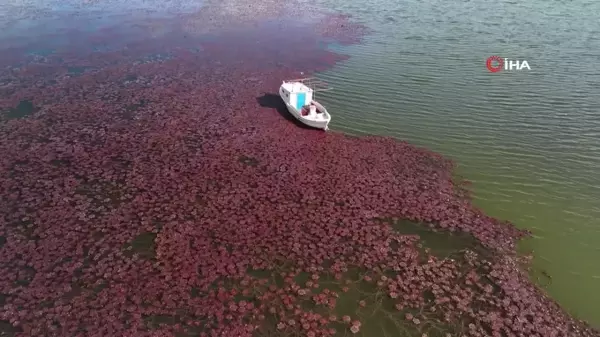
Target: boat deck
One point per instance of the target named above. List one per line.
(319, 114)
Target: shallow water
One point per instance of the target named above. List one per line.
(529, 140)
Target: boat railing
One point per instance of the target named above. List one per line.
(314, 83)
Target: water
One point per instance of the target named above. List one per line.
(529, 140)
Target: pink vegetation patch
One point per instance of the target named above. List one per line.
(162, 190)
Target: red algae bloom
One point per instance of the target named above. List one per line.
(112, 176)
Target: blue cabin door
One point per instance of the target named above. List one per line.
(300, 98)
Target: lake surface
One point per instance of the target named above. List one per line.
(528, 140)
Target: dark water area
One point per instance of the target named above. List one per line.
(151, 185)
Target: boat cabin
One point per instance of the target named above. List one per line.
(296, 94)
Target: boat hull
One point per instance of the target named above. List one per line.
(317, 124)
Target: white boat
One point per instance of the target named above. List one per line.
(299, 97)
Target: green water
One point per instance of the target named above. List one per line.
(529, 140)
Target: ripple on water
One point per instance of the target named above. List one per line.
(530, 141)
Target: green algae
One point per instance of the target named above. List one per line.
(369, 303)
(359, 297)
(77, 70)
(24, 227)
(8, 330)
(142, 245)
(134, 107)
(377, 314)
(24, 109)
(129, 113)
(441, 244)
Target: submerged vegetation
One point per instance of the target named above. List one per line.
(23, 109)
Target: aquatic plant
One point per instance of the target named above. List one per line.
(147, 198)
